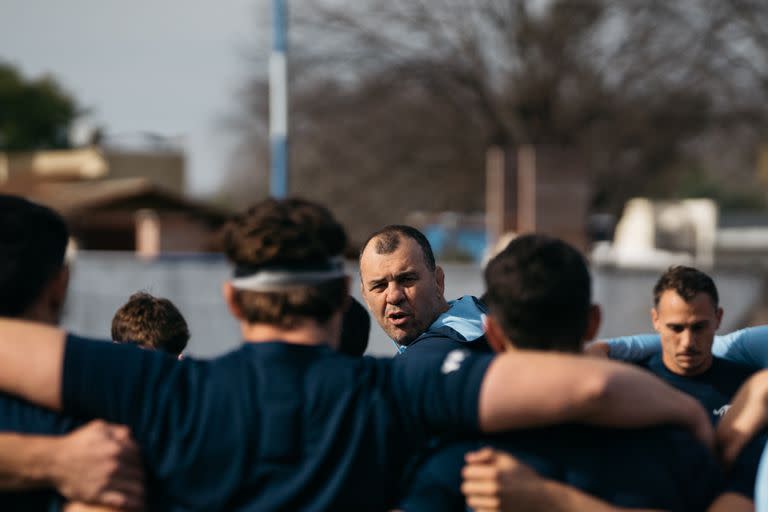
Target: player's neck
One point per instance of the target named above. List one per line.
(306, 333)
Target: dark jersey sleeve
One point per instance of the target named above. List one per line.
(119, 383)
(186, 427)
(17, 415)
(161, 399)
(436, 484)
(438, 393)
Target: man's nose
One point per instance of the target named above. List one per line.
(687, 340)
(395, 293)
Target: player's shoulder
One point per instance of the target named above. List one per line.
(732, 371)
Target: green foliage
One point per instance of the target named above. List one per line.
(690, 180)
(34, 114)
(698, 183)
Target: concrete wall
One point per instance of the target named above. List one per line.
(102, 282)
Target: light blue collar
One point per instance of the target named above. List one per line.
(463, 316)
(463, 321)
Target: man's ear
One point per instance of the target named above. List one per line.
(59, 288)
(440, 280)
(364, 295)
(719, 314)
(655, 319)
(495, 335)
(595, 316)
(50, 302)
(228, 292)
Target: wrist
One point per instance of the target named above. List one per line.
(54, 470)
(28, 464)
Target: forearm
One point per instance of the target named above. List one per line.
(746, 417)
(631, 397)
(525, 389)
(83, 507)
(633, 348)
(31, 359)
(732, 502)
(26, 461)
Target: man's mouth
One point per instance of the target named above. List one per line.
(398, 318)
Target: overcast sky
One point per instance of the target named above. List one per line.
(170, 67)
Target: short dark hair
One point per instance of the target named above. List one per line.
(388, 240)
(687, 282)
(151, 322)
(33, 245)
(287, 233)
(539, 290)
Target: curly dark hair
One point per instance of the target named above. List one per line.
(151, 322)
(286, 232)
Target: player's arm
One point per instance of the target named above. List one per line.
(747, 415)
(732, 502)
(598, 348)
(629, 348)
(31, 360)
(97, 463)
(25, 461)
(525, 388)
(84, 507)
(495, 481)
(746, 346)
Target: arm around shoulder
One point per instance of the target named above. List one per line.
(526, 389)
(31, 359)
(98, 463)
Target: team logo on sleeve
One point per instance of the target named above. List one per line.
(453, 360)
(721, 411)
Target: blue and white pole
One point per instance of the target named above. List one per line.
(278, 101)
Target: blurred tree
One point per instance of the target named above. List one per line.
(394, 103)
(34, 114)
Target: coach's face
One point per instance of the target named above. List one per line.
(403, 294)
(687, 330)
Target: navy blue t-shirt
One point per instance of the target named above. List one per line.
(274, 426)
(460, 327)
(19, 416)
(714, 388)
(661, 468)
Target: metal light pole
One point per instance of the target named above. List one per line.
(278, 101)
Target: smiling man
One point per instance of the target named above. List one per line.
(404, 289)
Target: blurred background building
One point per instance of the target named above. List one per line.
(635, 130)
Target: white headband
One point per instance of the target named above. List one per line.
(277, 279)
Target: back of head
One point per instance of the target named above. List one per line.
(687, 282)
(151, 322)
(33, 244)
(539, 291)
(287, 258)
